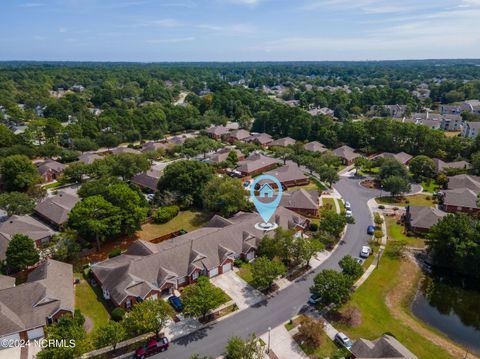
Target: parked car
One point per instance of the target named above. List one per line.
(348, 213)
(246, 184)
(152, 347)
(176, 303)
(313, 299)
(359, 260)
(365, 252)
(347, 205)
(343, 340)
(370, 230)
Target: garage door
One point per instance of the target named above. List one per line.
(213, 272)
(226, 267)
(153, 296)
(9, 340)
(35, 333)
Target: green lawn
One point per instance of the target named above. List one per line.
(90, 302)
(396, 231)
(377, 319)
(431, 186)
(187, 220)
(245, 272)
(328, 202)
(52, 185)
(370, 171)
(416, 200)
(326, 350)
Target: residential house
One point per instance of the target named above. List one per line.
(255, 164)
(396, 111)
(422, 218)
(401, 157)
(152, 146)
(27, 308)
(26, 225)
(471, 129)
(460, 200)
(262, 139)
(315, 146)
(148, 180)
(289, 175)
(89, 157)
(283, 142)
(148, 270)
(50, 170)
(302, 201)
(119, 150)
(451, 123)
(222, 155)
(322, 111)
(442, 166)
(217, 132)
(238, 135)
(431, 120)
(6, 281)
(464, 181)
(55, 209)
(455, 109)
(385, 347)
(346, 154)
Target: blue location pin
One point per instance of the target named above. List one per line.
(266, 210)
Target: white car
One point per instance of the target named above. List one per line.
(343, 340)
(347, 205)
(348, 213)
(365, 252)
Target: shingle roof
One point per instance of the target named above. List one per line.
(47, 165)
(119, 150)
(261, 138)
(385, 347)
(218, 130)
(204, 248)
(21, 224)
(283, 142)
(461, 197)
(401, 157)
(49, 288)
(6, 282)
(346, 152)
(424, 216)
(149, 179)
(154, 146)
(240, 134)
(57, 208)
(464, 181)
(300, 199)
(255, 162)
(287, 173)
(315, 146)
(442, 165)
(222, 155)
(88, 157)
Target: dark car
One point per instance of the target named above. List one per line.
(176, 303)
(370, 230)
(153, 346)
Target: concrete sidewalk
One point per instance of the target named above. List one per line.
(240, 291)
(282, 344)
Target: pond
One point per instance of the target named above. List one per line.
(450, 309)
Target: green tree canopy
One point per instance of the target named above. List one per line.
(21, 252)
(422, 167)
(149, 316)
(265, 271)
(396, 185)
(251, 348)
(224, 195)
(351, 267)
(16, 203)
(331, 287)
(201, 297)
(109, 334)
(19, 173)
(391, 167)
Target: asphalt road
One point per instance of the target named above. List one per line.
(288, 302)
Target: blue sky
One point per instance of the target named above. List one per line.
(238, 30)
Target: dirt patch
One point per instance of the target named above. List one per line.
(370, 184)
(403, 293)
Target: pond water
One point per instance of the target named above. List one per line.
(450, 309)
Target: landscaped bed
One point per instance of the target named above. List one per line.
(415, 200)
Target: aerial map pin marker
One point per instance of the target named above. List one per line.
(266, 209)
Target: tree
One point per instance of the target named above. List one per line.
(232, 159)
(476, 163)
(19, 173)
(396, 185)
(391, 167)
(70, 330)
(165, 214)
(277, 246)
(265, 271)
(331, 287)
(328, 174)
(16, 203)
(109, 334)
(377, 219)
(422, 167)
(361, 162)
(21, 252)
(188, 178)
(127, 165)
(251, 348)
(94, 218)
(224, 195)
(351, 267)
(149, 316)
(7, 138)
(202, 297)
(332, 222)
(303, 249)
(311, 331)
(75, 172)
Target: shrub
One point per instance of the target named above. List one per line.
(352, 317)
(313, 227)
(118, 314)
(310, 331)
(381, 206)
(428, 198)
(378, 234)
(165, 214)
(407, 201)
(87, 273)
(114, 252)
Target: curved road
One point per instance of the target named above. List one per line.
(289, 301)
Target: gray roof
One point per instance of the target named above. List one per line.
(147, 266)
(442, 165)
(218, 130)
(222, 155)
(283, 142)
(261, 138)
(23, 225)
(48, 289)
(385, 347)
(6, 282)
(57, 208)
(48, 165)
(255, 162)
(461, 197)
(401, 157)
(154, 146)
(119, 150)
(464, 181)
(300, 199)
(149, 179)
(473, 124)
(424, 216)
(240, 134)
(89, 157)
(315, 146)
(346, 152)
(287, 173)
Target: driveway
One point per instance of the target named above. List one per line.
(240, 291)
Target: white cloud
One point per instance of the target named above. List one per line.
(31, 4)
(235, 28)
(170, 40)
(251, 3)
